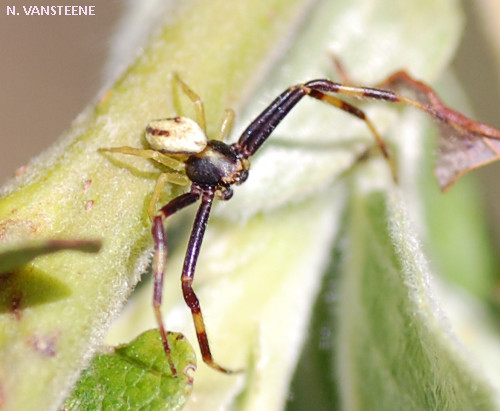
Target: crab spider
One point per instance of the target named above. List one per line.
(212, 167)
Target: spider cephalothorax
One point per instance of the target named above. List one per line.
(218, 165)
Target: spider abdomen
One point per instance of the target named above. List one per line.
(178, 135)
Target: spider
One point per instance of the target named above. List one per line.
(212, 167)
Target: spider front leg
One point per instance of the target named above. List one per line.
(262, 127)
(187, 277)
(193, 250)
(160, 257)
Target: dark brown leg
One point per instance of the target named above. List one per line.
(260, 129)
(160, 256)
(188, 271)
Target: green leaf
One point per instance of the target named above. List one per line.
(137, 376)
(396, 350)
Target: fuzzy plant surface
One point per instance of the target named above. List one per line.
(314, 278)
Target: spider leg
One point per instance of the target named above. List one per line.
(225, 125)
(161, 181)
(260, 129)
(188, 271)
(196, 100)
(160, 256)
(150, 154)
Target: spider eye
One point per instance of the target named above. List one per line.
(179, 135)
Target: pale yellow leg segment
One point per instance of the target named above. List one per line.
(225, 125)
(196, 100)
(162, 180)
(150, 154)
